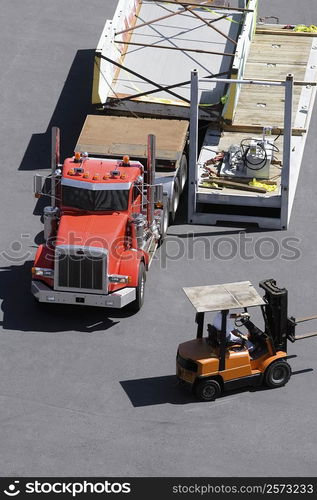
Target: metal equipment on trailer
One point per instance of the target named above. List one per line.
(210, 365)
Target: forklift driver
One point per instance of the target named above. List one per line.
(233, 335)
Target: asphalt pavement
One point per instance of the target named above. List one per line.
(85, 392)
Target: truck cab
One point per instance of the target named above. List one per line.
(100, 234)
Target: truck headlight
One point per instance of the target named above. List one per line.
(42, 271)
(118, 278)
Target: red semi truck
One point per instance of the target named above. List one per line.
(104, 223)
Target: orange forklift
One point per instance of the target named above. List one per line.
(211, 365)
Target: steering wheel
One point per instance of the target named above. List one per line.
(239, 322)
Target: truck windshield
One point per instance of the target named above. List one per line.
(86, 199)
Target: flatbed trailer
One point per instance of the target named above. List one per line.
(143, 63)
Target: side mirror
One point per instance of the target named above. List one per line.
(158, 193)
(38, 183)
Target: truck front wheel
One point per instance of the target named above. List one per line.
(136, 305)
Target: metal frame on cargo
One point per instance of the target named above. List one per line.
(282, 200)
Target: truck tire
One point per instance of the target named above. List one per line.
(136, 305)
(277, 374)
(182, 172)
(175, 199)
(207, 390)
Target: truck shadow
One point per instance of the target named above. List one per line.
(71, 109)
(21, 312)
(167, 390)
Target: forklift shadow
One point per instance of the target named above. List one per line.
(167, 390)
(156, 391)
(21, 312)
(71, 109)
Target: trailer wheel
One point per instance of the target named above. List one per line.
(277, 374)
(136, 305)
(175, 199)
(182, 172)
(207, 390)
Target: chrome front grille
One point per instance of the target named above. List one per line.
(80, 270)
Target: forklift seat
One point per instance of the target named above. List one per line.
(214, 340)
(213, 336)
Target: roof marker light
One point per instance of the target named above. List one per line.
(77, 158)
(71, 172)
(85, 175)
(96, 177)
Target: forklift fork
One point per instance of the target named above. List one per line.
(292, 323)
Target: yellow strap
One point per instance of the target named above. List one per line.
(268, 187)
(305, 29)
(227, 18)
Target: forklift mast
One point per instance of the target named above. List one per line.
(277, 323)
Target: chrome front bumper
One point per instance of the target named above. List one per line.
(119, 299)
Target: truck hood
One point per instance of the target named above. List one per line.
(99, 231)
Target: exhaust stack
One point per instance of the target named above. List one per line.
(55, 159)
(150, 178)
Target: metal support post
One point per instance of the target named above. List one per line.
(193, 146)
(287, 137)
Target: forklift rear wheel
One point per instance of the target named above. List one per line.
(277, 374)
(136, 305)
(207, 390)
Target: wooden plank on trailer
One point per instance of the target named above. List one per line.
(265, 71)
(256, 129)
(281, 32)
(117, 136)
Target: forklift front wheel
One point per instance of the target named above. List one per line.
(207, 390)
(277, 374)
